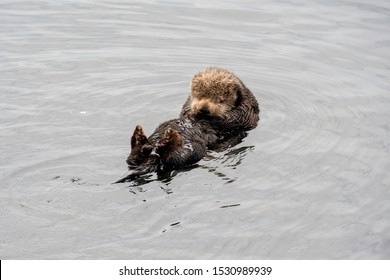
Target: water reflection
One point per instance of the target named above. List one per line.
(216, 163)
(164, 176)
(219, 163)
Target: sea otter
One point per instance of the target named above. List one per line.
(220, 108)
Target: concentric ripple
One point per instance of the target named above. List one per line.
(310, 182)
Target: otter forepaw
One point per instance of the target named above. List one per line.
(171, 138)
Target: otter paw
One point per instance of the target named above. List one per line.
(171, 138)
(138, 138)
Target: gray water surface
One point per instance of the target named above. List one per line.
(312, 181)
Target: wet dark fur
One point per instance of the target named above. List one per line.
(219, 108)
(174, 144)
(219, 95)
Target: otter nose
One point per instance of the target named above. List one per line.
(204, 110)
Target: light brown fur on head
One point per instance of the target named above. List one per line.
(214, 91)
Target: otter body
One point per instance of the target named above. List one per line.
(219, 108)
(175, 143)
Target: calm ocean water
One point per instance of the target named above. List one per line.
(312, 181)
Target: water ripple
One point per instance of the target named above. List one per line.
(311, 181)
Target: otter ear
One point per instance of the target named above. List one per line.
(239, 97)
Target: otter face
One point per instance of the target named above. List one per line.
(214, 92)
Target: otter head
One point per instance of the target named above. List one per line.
(214, 92)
